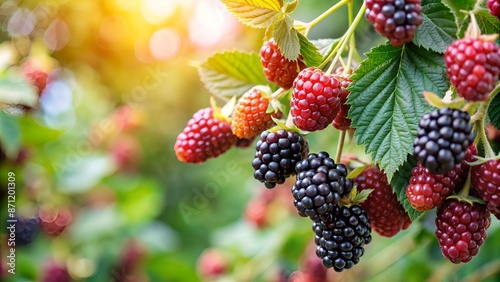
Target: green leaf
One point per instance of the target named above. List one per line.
(287, 38)
(460, 5)
(325, 45)
(10, 134)
(255, 13)
(399, 183)
(309, 52)
(387, 102)
(15, 90)
(231, 73)
(494, 111)
(438, 29)
(487, 23)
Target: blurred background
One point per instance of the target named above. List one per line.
(94, 94)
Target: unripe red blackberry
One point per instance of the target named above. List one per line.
(427, 191)
(387, 215)
(442, 139)
(486, 182)
(315, 99)
(473, 67)
(461, 229)
(250, 116)
(55, 272)
(319, 186)
(494, 8)
(341, 121)
(277, 68)
(53, 221)
(341, 238)
(204, 137)
(276, 156)
(397, 20)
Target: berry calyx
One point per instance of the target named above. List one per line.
(320, 185)
(204, 137)
(442, 139)
(461, 229)
(276, 156)
(387, 215)
(315, 99)
(250, 116)
(277, 68)
(341, 238)
(473, 67)
(397, 20)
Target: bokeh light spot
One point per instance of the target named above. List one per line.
(156, 11)
(57, 35)
(164, 43)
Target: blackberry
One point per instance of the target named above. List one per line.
(319, 186)
(26, 230)
(340, 240)
(461, 229)
(442, 139)
(397, 20)
(473, 67)
(276, 156)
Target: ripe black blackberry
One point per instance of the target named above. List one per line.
(442, 139)
(397, 20)
(341, 238)
(320, 185)
(26, 230)
(276, 156)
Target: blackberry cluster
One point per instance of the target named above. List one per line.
(26, 230)
(442, 139)
(341, 238)
(397, 20)
(277, 154)
(320, 185)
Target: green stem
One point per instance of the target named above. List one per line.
(340, 146)
(321, 17)
(337, 51)
(481, 123)
(352, 42)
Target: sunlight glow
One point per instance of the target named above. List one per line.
(164, 43)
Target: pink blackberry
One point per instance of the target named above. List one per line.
(473, 67)
(486, 182)
(315, 99)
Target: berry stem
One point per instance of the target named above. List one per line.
(337, 51)
(480, 121)
(352, 41)
(321, 17)
(340, 146)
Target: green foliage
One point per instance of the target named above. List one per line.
(231, 73)
(10, 135)
(494, 111)
(386, 100)
(255, 13)
(438, 27)
(399, 183)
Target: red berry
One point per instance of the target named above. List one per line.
(55, 272)
(250, 117)
(36, 76)
(277, 68)
(486, 182)
(211, 264)
(54, 221)
(473, 67)
(494, 7)
(255, 213)
(427, 191)
(204, 137)
(341, 122)
(397, 20)
(461, 229)
(387, 215)
(315, 99)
